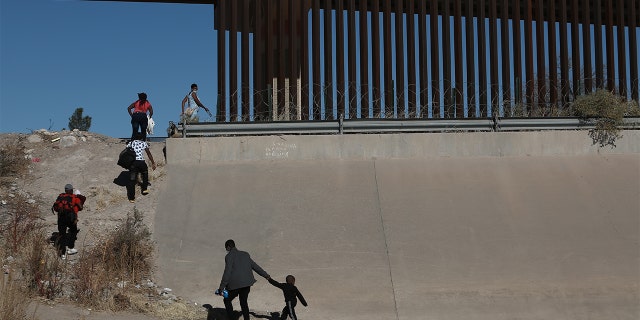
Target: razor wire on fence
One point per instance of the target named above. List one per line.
(535, 98)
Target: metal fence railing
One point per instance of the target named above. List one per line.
(204, 129)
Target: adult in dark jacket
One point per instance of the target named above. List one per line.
(291, 296)
(238, 278)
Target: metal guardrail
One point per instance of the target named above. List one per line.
(205, 129)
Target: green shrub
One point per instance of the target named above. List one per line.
(606, 111)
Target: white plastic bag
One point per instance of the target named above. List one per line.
(150, 125)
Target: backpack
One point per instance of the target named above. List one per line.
(126, 158)
(64, 203)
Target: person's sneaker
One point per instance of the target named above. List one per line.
(72, 251)
(145, 192)
(132, 201)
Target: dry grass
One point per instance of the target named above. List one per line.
(123, 257)
(13, 162)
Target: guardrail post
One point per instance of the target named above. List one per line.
(496, 123)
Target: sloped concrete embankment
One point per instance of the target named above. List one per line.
(435, 226)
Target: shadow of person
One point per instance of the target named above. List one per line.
(215, 313)
(122, 179)
(272, 316)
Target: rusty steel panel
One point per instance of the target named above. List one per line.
(399, 87)
(364, 61)
(557, 69)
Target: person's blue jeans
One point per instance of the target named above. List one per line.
(139, 121)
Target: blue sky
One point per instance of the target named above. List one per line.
(58, 55)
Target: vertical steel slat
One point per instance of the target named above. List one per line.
(399, 87)
(611, 70)
(493, 56)
(233, 61)
(470, 53)
(341, 92)
(597, 39)
(586, 46)
(622, 50)
(576, 65)
(328, 61)
(458, 65)
(246, 5)
(540, 49)
(388, 77)
(482, 58)
(317, 85)
(411, 57)
(632, 11)
(528, 56)
(351, 104)
(293, 59)
(304, 65)
(506, 59)
(375, 56)
(258, 64)
(435, 60)
(564, 52)
(446, 57)
(365, 112)
(221, 113)
(553, 58)
(517, 53)
(422, 54)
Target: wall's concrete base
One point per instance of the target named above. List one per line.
(394, 146)
(453, 226)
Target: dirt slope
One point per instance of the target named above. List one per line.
(87, 161)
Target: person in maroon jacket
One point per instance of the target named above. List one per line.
(238, 278)
(291, 296)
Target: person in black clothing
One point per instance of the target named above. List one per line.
(291, 296)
